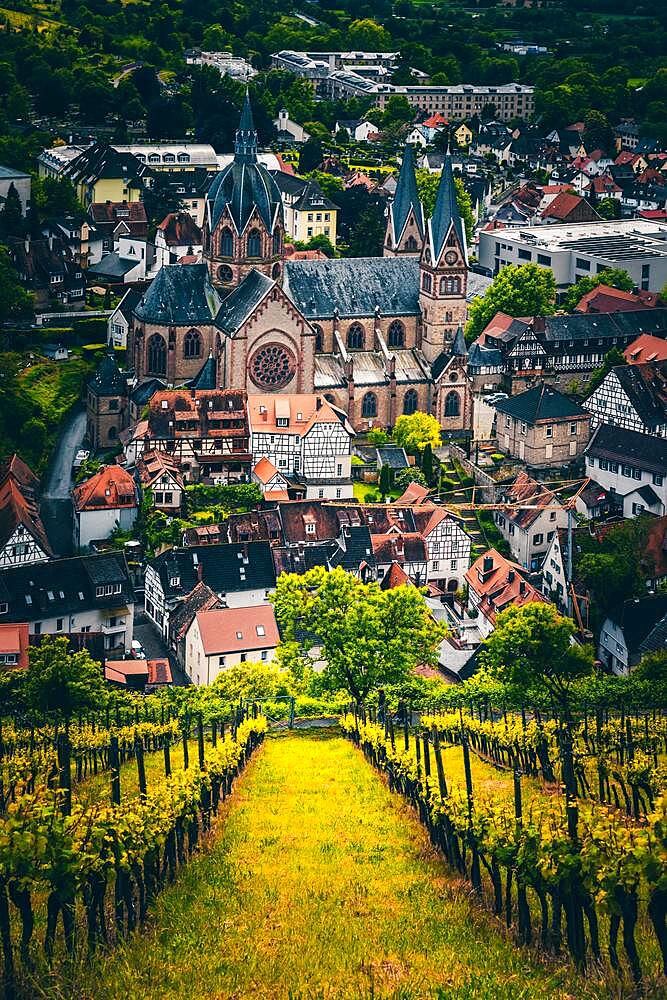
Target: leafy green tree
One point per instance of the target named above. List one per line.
(377, 436)
(615, 277)
(319, 242)
(404, 477)
(369, 637)
(310, 155)
(11, 216)
(610, 577)
(251, 681)
(608, 208)
(598, 133)
(53, 196)
(385, 482)
(215, 39)
(652, 667)
(519, 290)
(416, 430)
(531, 648)
(15, 303)
(60, 684)
(369, 36)
(398, 111)
(612, 359)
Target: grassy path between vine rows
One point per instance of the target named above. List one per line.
(319, 885)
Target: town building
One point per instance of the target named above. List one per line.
(47, 269)
(176, 237)
(101, 173)
(307, 440)
(307, 210)
(633, 397)
(226, 63)
(606, 299)
(376, 336)
(160, 473)
(19, 181)
(205, 430)
(632, 467)
(14, 644)
(625, 629)
(288, 130)
(106, 404)
(529, 529)
(580, 250)
(495, 584)
(273, 484)
(133, 260)
(509, 100)
(142, 676)
(79, 595)
(542, 427)
(646, 349)
(77, 236)
(224, 637)
(119, 321)
(23, 539)
(115, 219)
(103, 503)
(241, 575)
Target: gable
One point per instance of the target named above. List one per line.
(527, 343)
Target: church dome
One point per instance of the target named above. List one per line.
(244, 184)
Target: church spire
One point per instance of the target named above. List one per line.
(406, 199)
(245, 146)
(446, 212)
(459, 345)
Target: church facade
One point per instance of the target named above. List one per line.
(378, 336)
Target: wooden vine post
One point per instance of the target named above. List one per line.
(475, 874)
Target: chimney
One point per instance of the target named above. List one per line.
(399, 547)
(510, 576)
(522, 587)
(539, 324)
(200, 572)
(487, 566)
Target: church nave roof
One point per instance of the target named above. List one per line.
(354, 286)
(180, 295)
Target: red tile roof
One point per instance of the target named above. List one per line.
(14, 641)
(606, 299)
(238, 630)
(414, 493)
(179, 229)
(153, 464)
(500, 586)
(564, 204)
(395, 577)
(527, 490)
(645, 349)
(19, 503)
(302, 411)
(406, 547)
(111, 487)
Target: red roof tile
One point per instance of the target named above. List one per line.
(111, 487)
(237, 630)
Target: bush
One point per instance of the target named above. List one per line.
(497, 456)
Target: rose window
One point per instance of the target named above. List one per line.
(272, 366)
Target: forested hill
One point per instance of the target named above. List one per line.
(59, 61)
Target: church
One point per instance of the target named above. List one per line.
(377, 336)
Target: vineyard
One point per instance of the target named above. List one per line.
(97, 818)
(560, 827)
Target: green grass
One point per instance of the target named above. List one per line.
(55, 386)
(320, 885)
(361, 490)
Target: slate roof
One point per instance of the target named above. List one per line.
(649, 496)
(108, 379)
(656, 640)
(445, 213)
(459, 345)
(393, 456)
(128, 303)
(225, 568)
(406, 198)
(354, 286)
(583, 326)
(479, 356)
(181, 296)
(207, 376)
(646, 388)
(313, 198)
(112, 265)
(242, 300)
(65, 580)
(244, 185)
(631, 447)
(144, 391)
(541, 403)
(355, 548)
(638, 617)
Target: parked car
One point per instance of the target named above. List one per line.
(137, 651)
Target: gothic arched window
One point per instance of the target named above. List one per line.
(254, 243)
(396, 335)
(411, 243)
(452, 404)
(226, 243)
(369, 405)
(276, 241)
(426, 282)
(410, 401)
(192, 345)
(157, 355)
(318, 337)
(355, 337)
(275, 271)
(450, 286)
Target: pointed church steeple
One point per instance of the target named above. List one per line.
(459, 344)
(405, 225)
(446, 213)
(245, 145)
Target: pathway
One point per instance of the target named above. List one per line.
(56, 503)
(321, 885)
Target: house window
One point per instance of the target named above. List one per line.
(310, 529)
(4, 607)
(549, 431)
(59, 624)
(254, 243)
(320, 494)
(226, 243)
(538, 538)
(657, 481)
(552, 515)
(583, 265)
(573, 428)
(638, 508)
(436, 565)
(544, 259)
(523, 428)
(37, 628)
(157, 355)
(264, 655)
(426, 283)
(525, 254)
(244, 657)
(159, 497)
(221, 661)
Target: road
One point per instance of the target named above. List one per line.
(56, 504)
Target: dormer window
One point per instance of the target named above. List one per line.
(28, 599)
(239, 635)
(260, 630)
(310, 529)
(175, 581)
(4, 607)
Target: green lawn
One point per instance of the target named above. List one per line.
(55, 386)
(321, 885)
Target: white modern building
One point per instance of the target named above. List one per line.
(582, 250)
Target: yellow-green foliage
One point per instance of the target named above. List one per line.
(322, 884)
(54, 386)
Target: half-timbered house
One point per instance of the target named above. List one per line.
(23, 538)
(633, 397)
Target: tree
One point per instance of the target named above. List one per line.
(367, 35)
(652, 667)
(615, 277)
(60, 684)
(404, 477)
(427, 461)
(385, 481)
(15, 303)
(531, 648)
(610, 577)
(598, 133)
(311, 155)
(251, 681)
(415, 430)
(519, 290)
(612, 359)
(11, 216)
(609, 208)
(377, 436)
(369, 637)
(398, 111)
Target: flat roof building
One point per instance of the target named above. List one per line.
(578, 250)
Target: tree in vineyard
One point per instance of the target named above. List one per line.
(59, 684)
